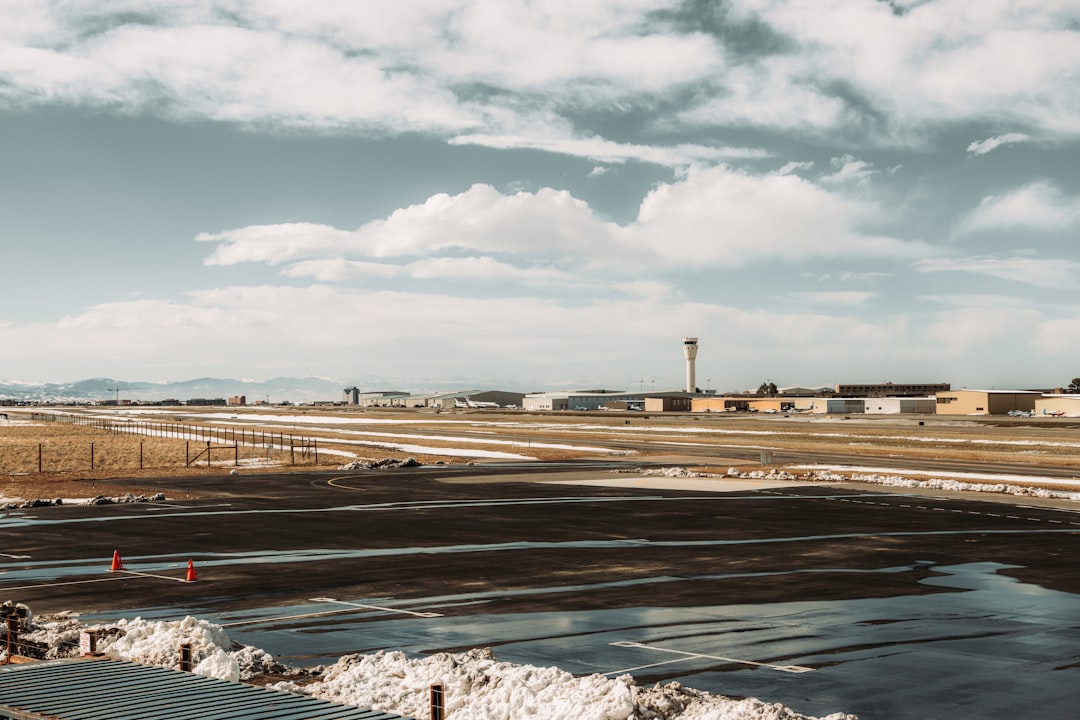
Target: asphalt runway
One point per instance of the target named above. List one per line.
(823, 597)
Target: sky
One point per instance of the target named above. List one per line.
(541, 194)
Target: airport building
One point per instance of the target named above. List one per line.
(986, 402)
(888, 389)
(1058, 405)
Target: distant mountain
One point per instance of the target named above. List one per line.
(308, 389)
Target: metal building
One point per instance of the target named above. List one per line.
(82, 689)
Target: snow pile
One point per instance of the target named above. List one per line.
(379, 464)
(158, 643)
(671, 472)
(480, 687)
(946, 484)
(477, 685)
(16, 503)
(958, 486)
(771, 474)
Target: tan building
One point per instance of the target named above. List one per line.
(985, 402)
(667, 404)
(1058, 406)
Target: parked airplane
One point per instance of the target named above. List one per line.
(466, 403)
(1053, 413)
(1021, 413)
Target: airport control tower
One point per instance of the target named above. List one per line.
(689, 348)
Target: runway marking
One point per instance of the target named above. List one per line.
(261, 621)
(60, 584)
(15, 557)
(151, 575)
(378, 607)
(693, 656)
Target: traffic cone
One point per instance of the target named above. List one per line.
(191, 575)
(117, 563)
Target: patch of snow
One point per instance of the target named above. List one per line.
(477, 685)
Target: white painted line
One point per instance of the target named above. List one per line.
(142, 574)
(15, 557)
(60, 584)
(378, 607)
(262, 621)
(781, 668)
(648, 667)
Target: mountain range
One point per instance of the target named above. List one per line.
(275, 390)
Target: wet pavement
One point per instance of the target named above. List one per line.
(824, 598)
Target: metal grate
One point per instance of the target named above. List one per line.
(100, 689)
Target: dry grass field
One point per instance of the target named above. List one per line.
(166, 442)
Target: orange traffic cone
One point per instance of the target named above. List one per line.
(191, 575)
(117, 563)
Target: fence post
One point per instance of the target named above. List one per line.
(207, 453)
(91, 456)
(39, 457)
(12, 634)
(438, 703)
(140, 455)
(185, 657)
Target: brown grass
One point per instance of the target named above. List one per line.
(882, 442)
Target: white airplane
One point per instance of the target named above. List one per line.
(1021, 413)
(1054, 413)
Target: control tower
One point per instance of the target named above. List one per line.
(689, 348)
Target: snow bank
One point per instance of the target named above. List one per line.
(477, 685)
(946, 484)
(13, 503)
(158, 643)
(958, 486)
(480, 687)
(377, 464)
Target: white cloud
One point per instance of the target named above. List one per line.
(509, 74)
(564, 143)
(969, 331)
(713, 217)
(848, 169)
(943, 62)
(842, 298)
(1048, 273)
(721, 217)
(981, 147)
(1038, 205)
(790, 168)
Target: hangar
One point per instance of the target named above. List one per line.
(985, 402)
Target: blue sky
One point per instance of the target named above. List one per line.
(541, 194)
